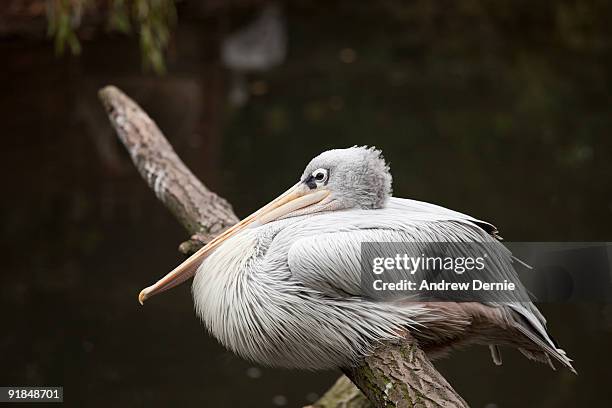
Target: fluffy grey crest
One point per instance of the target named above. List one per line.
(358, 176)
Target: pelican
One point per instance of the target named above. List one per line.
(283, 286)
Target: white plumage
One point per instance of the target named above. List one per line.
(283, 288)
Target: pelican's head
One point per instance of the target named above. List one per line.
(357, 177)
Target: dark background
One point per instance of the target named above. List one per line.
(500, 110)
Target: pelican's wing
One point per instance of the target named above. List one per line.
(328, 257)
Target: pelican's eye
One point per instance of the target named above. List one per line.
(320, 176)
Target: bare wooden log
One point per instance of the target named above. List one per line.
(396, 375)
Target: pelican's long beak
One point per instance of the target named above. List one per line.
(297, 197)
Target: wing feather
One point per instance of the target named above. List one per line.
(328, 258)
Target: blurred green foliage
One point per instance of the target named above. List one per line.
(154, 19)
(63, 16)
(151, 19)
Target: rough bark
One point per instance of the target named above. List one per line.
(401, 375)
(396, 375)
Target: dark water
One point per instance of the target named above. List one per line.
(499, 111)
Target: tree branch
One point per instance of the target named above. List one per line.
(203, 213)
(396, 375)
(401, 375)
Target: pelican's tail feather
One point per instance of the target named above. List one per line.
(526, 323)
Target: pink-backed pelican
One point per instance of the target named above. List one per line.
(283, 286)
